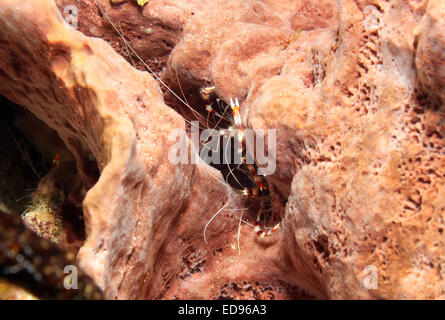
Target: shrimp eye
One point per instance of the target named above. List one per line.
(56, 160)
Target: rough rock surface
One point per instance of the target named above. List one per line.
(430, 57)
(353, 89)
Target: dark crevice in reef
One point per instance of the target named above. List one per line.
(21, 166)
(148, 40)
(220, 118)
(41, 217)
(223, 148)
(39, 178)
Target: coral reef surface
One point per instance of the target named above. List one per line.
(353, 88)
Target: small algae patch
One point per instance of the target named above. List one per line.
(142, 2)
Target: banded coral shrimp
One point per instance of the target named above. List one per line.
(225, 119)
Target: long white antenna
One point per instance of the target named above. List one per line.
(139, 57)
